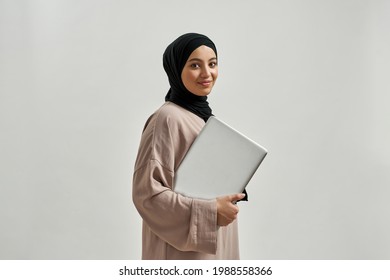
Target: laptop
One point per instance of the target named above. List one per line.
(221, 161)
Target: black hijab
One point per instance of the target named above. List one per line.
(174, 59)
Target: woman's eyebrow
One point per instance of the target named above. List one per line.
(198, 59)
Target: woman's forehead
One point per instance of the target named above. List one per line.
(201, 53)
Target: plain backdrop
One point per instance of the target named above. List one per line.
(309, 80)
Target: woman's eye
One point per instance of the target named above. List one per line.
(213, 64)
(195, 65)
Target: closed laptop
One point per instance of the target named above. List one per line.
(221, 161)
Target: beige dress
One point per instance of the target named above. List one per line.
(175, 226)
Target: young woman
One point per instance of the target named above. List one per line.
(175, 226)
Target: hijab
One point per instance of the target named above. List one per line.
(174, 59)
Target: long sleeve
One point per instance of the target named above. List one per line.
(185, 223)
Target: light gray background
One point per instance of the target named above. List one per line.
(306, 79)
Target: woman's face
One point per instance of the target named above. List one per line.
(200, 71)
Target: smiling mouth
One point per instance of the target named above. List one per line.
(205, 83)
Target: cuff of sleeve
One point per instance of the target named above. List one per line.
(205, 227)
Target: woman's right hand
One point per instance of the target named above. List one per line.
(227, 210)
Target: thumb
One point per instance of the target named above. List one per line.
(237, 196)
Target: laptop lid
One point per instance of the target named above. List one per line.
(221, 161)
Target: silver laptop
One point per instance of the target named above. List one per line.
(221, 161)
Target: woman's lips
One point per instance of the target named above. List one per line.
(205, 83)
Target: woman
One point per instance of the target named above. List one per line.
(175, 226)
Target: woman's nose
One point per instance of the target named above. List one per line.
(205, 72)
